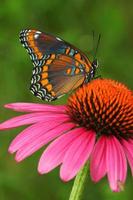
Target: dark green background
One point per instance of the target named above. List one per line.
(72, 20)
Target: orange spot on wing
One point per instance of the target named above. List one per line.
(39, 54)
(49, 87)
(48, 61)
(77, 70)
(44, 82)
(68, 50)
(45, 68)
(52, 56)
(31, 43)
(76, 63)
(68, 71)
(44, 75)
(53, 93)
(77, 56)
(87, 68)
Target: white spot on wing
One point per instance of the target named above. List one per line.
(38, 32)
(36, 35)
(58, 39)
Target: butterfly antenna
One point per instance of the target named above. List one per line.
(93, 42)
(96, 50)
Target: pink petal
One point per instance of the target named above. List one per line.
(116, 163)
(33, 107)
(98, 160)
(31, 146)
(32, 132)
(77, 155)
(55, 152)
(128, 148)
(30, 119)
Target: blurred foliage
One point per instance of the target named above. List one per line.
(72, 20)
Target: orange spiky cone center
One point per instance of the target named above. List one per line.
(105, 106)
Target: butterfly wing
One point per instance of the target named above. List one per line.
(57, 77)
(64, 66)
(39, 44)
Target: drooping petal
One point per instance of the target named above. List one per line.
(31, 146)
(128, 148)
(98, 167)
(32, 133)
(54, 154)
(116, 163)
(30, 119)
(77, 155)
(33, 107)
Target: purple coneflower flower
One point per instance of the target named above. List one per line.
(96, 124)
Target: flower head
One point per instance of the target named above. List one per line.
(105, 106)
(96, 124)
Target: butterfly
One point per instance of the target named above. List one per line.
(59, 67)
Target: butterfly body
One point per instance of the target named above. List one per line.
(59, 67)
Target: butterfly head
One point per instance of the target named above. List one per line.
(91, 74)
(95, 64)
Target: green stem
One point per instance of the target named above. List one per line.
(79, 184)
